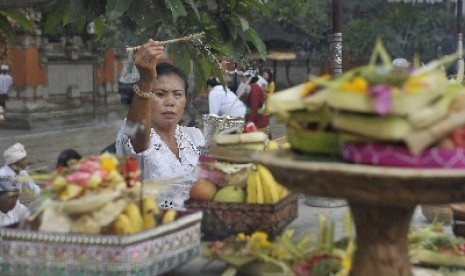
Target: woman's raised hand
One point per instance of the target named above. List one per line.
(146, 59)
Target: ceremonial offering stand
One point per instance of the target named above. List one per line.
(382, 201)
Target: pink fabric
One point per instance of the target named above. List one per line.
(398, 156)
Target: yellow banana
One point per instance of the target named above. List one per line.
(149, 206)
(122, 225)
(134, 215)
(169, 216)
(270, 186)
(284, 192)
(260, 195)
(252, 179)
(272, 145)
(149, 221)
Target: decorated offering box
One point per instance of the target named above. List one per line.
(151, 252)
(221, 220)
(95, 216)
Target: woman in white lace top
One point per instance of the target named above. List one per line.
(151, 130)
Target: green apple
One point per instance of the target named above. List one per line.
(230, 193)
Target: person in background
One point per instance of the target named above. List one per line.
(222, 101)
(11, 209)
(6, 83)
(268, 76)
(243, 88)
(15, 168)
(67, 158)
(151, 132)
(255, 103)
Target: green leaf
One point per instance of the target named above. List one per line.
(258, 4)
(177, 8)
(99, 27)
(233, 4)
(193, 7)
(244, 23)
(257, 42)
(81, 24)
(116, 8)
(19, 17)
(6, 27)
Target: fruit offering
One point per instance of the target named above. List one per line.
(236, 183)
(99, 195)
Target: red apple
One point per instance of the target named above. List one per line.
(250, 127)
(203, 189)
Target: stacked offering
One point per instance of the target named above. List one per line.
(386, 115)
(100, 195)
(307, 115)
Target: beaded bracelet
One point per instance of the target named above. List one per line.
(144, 95)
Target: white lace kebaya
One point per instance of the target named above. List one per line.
(159, 162)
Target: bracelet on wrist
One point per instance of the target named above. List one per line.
(142, 94)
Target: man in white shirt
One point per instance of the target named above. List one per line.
(15, 168)
(223, 102)
(11, 210)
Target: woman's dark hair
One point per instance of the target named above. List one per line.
(268, 71)
(166, 68)
(254, 79)
(67, 155)
(213, 81)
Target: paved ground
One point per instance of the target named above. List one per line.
(44, 146)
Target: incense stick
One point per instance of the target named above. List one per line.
(132, 50)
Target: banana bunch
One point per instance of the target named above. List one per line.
(262, 188)
(135, 218)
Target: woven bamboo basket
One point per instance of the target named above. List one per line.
(221, 220)
(151, 252)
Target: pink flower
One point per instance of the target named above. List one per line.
(383, 98)
(78, 178)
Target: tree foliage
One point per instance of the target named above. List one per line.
(132, 22)
(406, 29)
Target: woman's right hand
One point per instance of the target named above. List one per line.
(146, 59)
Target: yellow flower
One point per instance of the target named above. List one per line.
(240, 237)
(108, 161)
(347, 262)
(415, 84)
(357, 85)
(259, 240)
(312, 86)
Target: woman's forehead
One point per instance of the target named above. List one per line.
(171, 81)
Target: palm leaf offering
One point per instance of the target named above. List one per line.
(99, 195)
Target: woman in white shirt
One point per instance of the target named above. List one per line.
(151, 131)
(222, 101)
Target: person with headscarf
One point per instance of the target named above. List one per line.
(15, 169)
(11, 209)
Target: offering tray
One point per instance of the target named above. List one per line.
(151, 252)
(382, 201)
